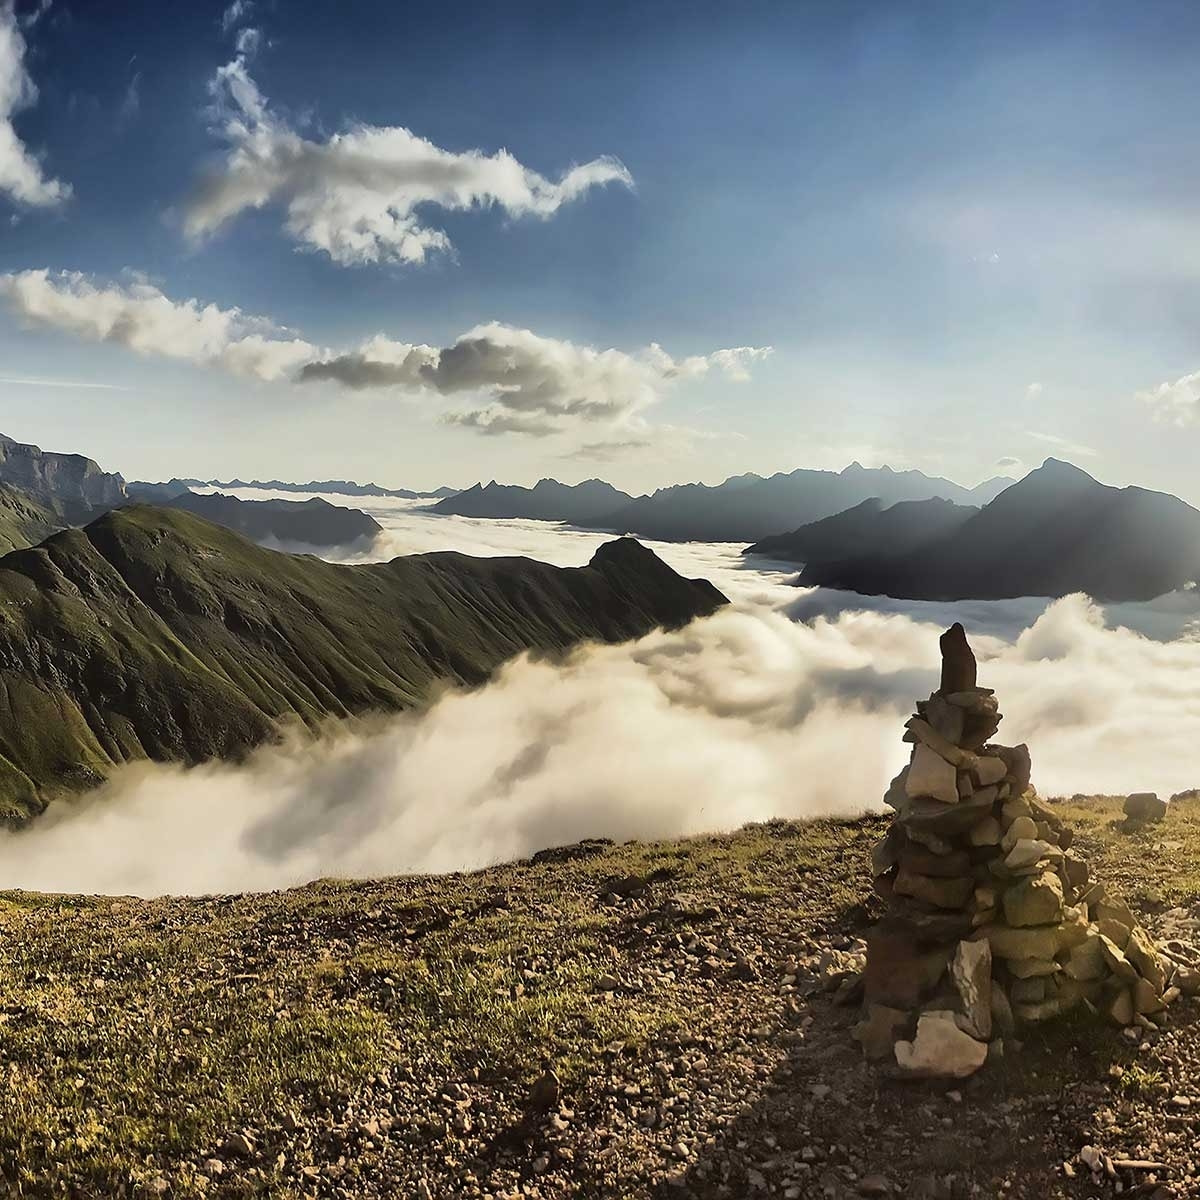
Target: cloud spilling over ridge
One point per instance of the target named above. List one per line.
(356, 195)
(526, 383)
(534, 385)
(21, 175)
(740, 717)
(139, 317)
(1175, 403)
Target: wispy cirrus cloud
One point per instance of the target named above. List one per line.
(362, 195)
(21, 174)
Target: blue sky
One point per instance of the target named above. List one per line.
(964, 233)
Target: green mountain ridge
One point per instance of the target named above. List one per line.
(23, 521)
(152, 633)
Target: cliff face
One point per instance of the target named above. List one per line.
(74, 487)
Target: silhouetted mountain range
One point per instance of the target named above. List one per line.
(153, 633)
(748, 508)
(339, 487)
(69, 485)
(869, 529)
(548, 500)
(1056, 532)
(314, 522)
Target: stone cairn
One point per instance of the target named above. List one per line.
(991, 921)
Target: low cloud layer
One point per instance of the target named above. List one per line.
(139, 317)
(22, 177)
(362, 195)
(790, 704)
(524, 382)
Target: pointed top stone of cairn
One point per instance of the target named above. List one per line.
(958, 661)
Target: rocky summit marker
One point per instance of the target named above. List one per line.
(992, 921)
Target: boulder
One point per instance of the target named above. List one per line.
(1118, 964)
(1121, 1008)
(1037, 900)
(1086, 961)
(987, 770)
(1145, 806)
(1027, 853)
(941, 1050)
(1146, 998)
(931, 776)
(1021, 829)
(1140, 951)
(986, 833)
(925, 862)
(938, 891)
(926, 735)
(971, 974)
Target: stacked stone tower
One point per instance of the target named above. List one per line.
(992, 920)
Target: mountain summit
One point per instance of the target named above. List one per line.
(1057, 531)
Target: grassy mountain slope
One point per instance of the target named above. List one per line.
(23, 521)
(380, 1039)
(154, 634)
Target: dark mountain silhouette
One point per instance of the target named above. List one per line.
(339, 487)
(160, 493)
(548, 500)
(748, 508)
(153, 633)
(69, 485)
(313, 522)
(869, 529)
(1057, 531)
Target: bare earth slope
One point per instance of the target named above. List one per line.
(154, 634)
(381, 1039)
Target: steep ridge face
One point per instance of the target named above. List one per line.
(1056, 532)
(748, 508)
(547, 500)
(155, 634)
(72, 486)
(868, 528)
(314, 522)
(23, 521)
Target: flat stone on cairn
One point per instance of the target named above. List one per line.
(991, 922)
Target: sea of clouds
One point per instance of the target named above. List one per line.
(788, 704)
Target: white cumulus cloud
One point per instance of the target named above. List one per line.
(521, 381)
(531, 384)
(1176, 403)
(360, 195)
(139, 317)
(21, 175)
